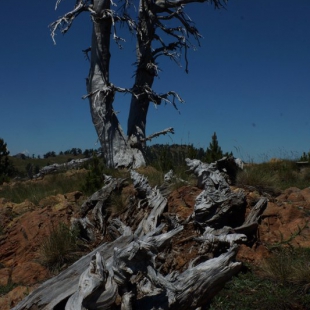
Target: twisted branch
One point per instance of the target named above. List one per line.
(157, 134)
(65, 22)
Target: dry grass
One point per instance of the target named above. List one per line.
(282, 282)
(289, 265)
(35, 190)
(272, 177)
(59, 247)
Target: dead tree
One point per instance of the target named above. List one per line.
(125, 273)
(153, 40)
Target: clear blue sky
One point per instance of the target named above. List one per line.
(249, 81)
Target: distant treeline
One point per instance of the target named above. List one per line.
(73, 151)
(161, 156)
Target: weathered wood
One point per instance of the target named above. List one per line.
(156, 203)
(94, 211)
(125, 263)
(256, 211)
(252, 220)
(194, 287)
(58, 289)
(216, 204)
(72, 164)
(125, 273)
(91, 279)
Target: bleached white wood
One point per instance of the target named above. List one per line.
(124, 273)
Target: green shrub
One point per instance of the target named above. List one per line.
(281, 282)
(164, 160)
(94, 178)
(305, 157)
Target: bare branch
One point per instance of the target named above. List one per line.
(111, 15)
(166, 4)
(154, 97)
(64, 23)
(137, 92)
(181, 34)
(156, 134)
(86, 51)
(57, 3)
(174, 97)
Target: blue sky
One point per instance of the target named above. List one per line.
(249, 81)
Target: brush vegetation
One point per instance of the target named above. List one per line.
(35, 190)
(268, 177)
(281, 282)
(59, 248)
(272, 177)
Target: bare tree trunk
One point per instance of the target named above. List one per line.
(101, 92)
(119, 150)
(146, 71)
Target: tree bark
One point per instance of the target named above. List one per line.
(145, 73)
(116, 150)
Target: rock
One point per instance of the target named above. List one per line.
(73, 196)
(23, 207)
(52, 200)
(29, 273)
(306, 194)
(284, 195)
(283, 220)
(4, 276)
(20, 245)
(295, 197)
(14, 297)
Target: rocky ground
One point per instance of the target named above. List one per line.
(25, 225)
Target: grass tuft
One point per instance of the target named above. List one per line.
(59, 248)
(289, 265)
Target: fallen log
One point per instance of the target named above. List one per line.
(126, 274)
(72, 164)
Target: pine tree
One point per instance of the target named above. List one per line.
(305, 156)
(214, 151)
(6, 167)
(191, 152)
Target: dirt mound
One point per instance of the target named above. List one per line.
(25, 225)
